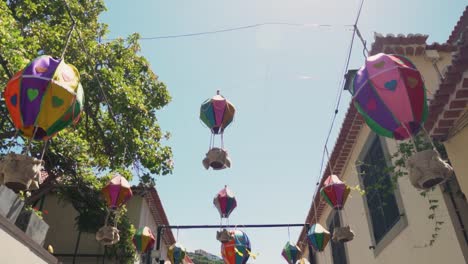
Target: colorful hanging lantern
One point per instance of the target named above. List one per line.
(318, 237)
(225, 202)
(237, 250)
(117, 192)
(217, 113)
(291, 253)
(176, 253)
(335, 192)
(388, 91)
(143, 239)
(44, 98)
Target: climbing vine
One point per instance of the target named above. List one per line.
(398, 169)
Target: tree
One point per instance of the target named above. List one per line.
(119, 127)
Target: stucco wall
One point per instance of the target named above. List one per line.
(428, 72)
(13, 250)
(146, 219)
(457, 150)
(409, 245)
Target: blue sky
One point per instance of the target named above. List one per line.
(283, 81)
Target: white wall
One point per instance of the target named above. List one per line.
(409, 245)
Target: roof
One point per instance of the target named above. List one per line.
(349, 131)
(157, 211)
(461, 25)
(450, 100)
(409, 45)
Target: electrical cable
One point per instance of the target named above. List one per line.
(240, 28)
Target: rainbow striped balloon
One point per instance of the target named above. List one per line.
(117, 192)
(44, 98)
(335, 192)
(318, 237)
(143, 239)
(176, 253)
(291, 253)
(225, 202)
(389, 93)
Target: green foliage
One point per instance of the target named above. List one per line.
(84, 193)
(119, 127)
(199, 259)
(398, 169)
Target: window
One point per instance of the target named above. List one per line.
(382, 204)
(312, 255)
(337, 248)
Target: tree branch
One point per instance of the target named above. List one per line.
(7, 134)
(4, 64)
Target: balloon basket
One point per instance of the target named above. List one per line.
(19, 171)
(217, 159)
(108, 235)
(426, 169)
(343, 234)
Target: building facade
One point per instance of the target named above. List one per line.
(398, 223)
(70, 246)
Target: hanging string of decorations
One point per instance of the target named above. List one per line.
(217, 113)
(389, 93)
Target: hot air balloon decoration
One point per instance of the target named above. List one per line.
(335, 192)
(236, 250)
(143, 240)
(225, 202)
(176, 253)
(116, 193)
(42, 99)
(291, 253)
(389, 93)
(318, 237)
(217, 113)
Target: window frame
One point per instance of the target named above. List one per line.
(402, 222)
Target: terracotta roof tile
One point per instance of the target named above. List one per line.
(459, 27)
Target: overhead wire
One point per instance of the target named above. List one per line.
(337, 105)
(241, 28)
(94, 73)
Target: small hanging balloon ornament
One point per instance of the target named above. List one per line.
(236, 250)
(318, 237)
(335, 192)
(143, 240)
(389, 93)
(291, 253)
(44, 98)
(217, 113)
(117, 192)
(176, 253)
(225, 202)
